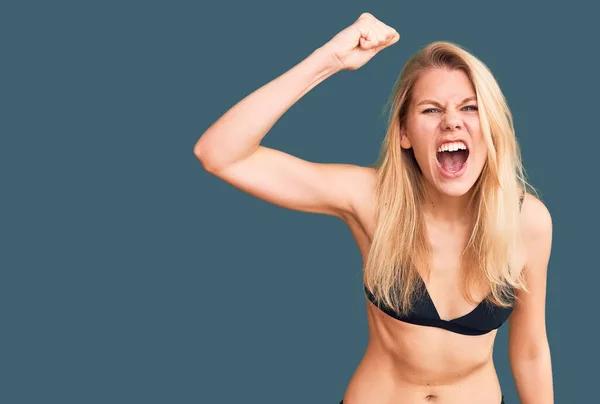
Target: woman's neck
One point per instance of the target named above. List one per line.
(446, 208)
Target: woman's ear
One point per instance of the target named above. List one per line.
(404, 140)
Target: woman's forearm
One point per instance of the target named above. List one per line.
(237, 134)
(533, 379)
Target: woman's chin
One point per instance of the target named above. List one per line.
(453, 184)
(454, 190)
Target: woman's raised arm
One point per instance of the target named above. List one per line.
(230, 148)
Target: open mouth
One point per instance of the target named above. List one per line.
(452, 158)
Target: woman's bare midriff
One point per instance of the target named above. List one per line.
(407, 364)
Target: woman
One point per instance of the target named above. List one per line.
(453, 246)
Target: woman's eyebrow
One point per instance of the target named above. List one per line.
(473, 98)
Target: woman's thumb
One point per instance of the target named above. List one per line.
(366, 43)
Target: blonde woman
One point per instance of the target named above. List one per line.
(453, 245)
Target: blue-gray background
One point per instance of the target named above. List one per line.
(130, 275)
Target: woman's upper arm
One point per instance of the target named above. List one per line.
(293, 183)
(527, 323)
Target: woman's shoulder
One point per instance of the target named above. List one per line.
(361, 185)
(363, 196)
(536, 222)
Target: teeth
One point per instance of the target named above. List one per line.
(452, 146)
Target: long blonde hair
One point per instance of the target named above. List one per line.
(399, 246)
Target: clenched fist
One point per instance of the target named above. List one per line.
(358, 43)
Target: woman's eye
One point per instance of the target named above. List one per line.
(428, 110)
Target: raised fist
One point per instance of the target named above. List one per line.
(358, 43)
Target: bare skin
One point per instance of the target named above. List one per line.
(406, 363)
(403, 363)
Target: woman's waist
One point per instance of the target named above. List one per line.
(433, 369)
(380, 378)
(422, 355)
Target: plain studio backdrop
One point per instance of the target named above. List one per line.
(130, 275)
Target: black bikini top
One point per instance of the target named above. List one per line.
(481, 320)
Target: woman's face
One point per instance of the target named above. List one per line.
(442, 127)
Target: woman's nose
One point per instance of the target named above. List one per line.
(451, 122)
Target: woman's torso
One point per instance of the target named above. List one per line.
(407, 363)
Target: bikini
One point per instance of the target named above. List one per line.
(481, 320)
